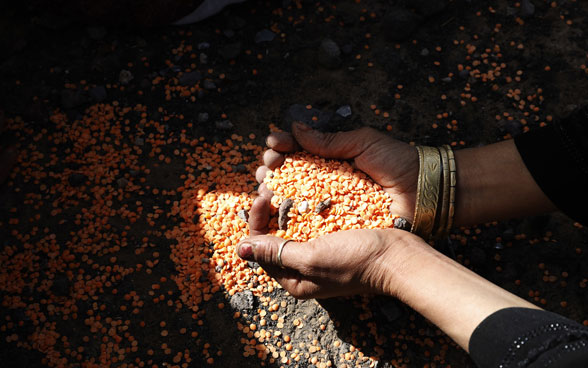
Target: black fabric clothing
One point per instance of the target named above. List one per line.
(557, 158)
(522, 337)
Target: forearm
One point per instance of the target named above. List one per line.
(448, 294)
(494, 184)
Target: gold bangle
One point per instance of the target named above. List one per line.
(452, 186)
(427, 191)
(442, 215)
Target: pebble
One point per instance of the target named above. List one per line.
(344, 111)
(77, 179)
(230, 51)
(446, 79)
(190, 79)
(208, 85)
(299, 112)
(229, 33)
(203, 58)
(265, 35)
(323, 205)
(425, 52)
(203, 46)
(527, 8)
(329, 54)
(283, 213)
(303, 207)
(243, 215)
(139, 141)
(202, 117)
(242, 301)
(122, 182)
(98, 93)
(401, 223)
(125, 77)
(400, 23)
(224, 125)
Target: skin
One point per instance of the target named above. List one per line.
(395, 262)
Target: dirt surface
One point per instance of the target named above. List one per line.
(107, 122)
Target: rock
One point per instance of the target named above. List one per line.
(203, 45)
(425, 52)
(344, 111)
(125, 77)
(527, 8)
(400, 23)
(303, 207)
(446, 80)
(508, 235)
(98, 93)
(77, 179)
(283, 213)
(498, 246)
(401, 223)
(96, 33)
(427, 8)
(202, 117)
(190, 79)
(265, 35)
(465, 74)
(224, 125)
(122, 182)
(242, 301)
(329, 54)
(203, 58)
(229, 33)
(208, 85)
(240, 168)
(298, 112)
(243, 215)
(323, 205)
(230, 51)
(139, 141)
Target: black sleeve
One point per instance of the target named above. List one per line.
(557, 157)
(522, 337)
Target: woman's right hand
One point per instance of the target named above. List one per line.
(391, 163)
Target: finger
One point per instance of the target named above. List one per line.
(340, 145)
(272, 159)
(259, 216)
(263, 191)
(282, 142)
(294, 282)
(264, 250)
(260, 173)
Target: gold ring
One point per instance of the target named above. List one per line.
(280, 249)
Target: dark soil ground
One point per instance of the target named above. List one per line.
(469, 74)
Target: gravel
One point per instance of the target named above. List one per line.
(242, 301)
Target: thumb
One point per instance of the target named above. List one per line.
(264, 250)
(339, 145)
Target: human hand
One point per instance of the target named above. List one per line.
(391, 163)
(342, 263)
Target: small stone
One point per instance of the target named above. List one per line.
(203, 45)
(401, 223)
(230, 51)
(465, 74)
(344, 111)
(425, 52)
(400, 23)
(98, 93)
(242, 301)
(202, 117)
(139, 141)
(243, 215)
(122, 182)
(527, 8)
(323, 205)
(329, 54)
(283, 213)
(229, 33)
(125, 77)
(303, 207)
(203, 58)
(96, 33)
(265, 35)
(77, 179)
(299, 112)
(208, 85)
(498, 246)
(190, 79)
(224, 125)
(446, 79)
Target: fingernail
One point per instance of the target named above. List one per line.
(302, 127)
(245, 251)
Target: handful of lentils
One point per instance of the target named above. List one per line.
(314, 196)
